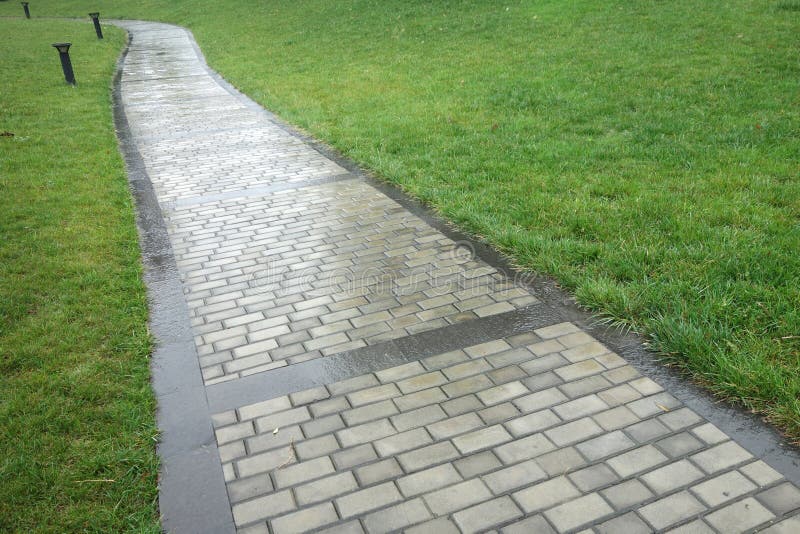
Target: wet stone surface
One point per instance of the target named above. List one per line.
(474, 439)
(278, 266)
(283, 256)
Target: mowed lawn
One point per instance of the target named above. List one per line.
(644, 154)
(77, 431)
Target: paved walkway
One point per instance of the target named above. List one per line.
(333, 360)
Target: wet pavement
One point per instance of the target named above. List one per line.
(330, 359)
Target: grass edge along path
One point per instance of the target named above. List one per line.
(77, 424)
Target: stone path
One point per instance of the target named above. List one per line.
(329, 359)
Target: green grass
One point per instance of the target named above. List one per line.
(644, 154)
(76, 410)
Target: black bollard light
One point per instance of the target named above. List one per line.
(27, 11)
(96, 20)
(66, 64)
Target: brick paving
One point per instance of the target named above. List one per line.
(285, 257)
(541, 432)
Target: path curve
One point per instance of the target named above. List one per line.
(330, 355)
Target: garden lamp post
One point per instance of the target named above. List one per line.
(96, 20)
(66, 64)
(27, 10)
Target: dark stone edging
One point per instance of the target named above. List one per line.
(320, 371)
(192, 492)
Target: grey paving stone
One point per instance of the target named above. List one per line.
(379, 471)
(679, 444)
(260, 409)
(300, 472)
(373, 394)
(507, 374)
(536, 524)
(593, 477)
(693, 527)
(760, 473)
(420, 398)
(605, 445)
(655, 404)
(723, 488)
(309, 395)
(487, 514)
(419, 417)
(306, 519)
(234, 432)
(350, 527)
(545, 364)
(481, 439)
(427, 456)
(467, 386)
(539, 400)
(498, 413)
(514, 477)
(720, 457)
(281, 419)
(457, 496)
(546, 494)
(368, 499)
(404, 441)
(627, 494)
(400, 372)
(636, 461)
(323, 425)
(325, 489)
(560, 461)
(369, 412)
(710, 434)
(739, 516)
(629, 523)
(542, 381)
(556, 330)
(502, 393)
(365, 433)
(488, 348)
(680, 419)
(315, 447)
(647, 431)
(353, 384)
(534, 422)
(780, 499)
(354, 456)
(477, 464)
(670, 510)
(584, 510)
(615, 418)
(266, 461)
(460, 405)
(790, 525)
(579, 370)
(428, 480)
(424, 381)
(585, 386)
(231, 451)
(263, 507)
(573, 432)
(240, 490)
(440, 525)
(447, 359)
(397, 517)
(672, 476)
